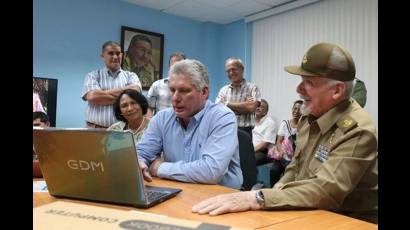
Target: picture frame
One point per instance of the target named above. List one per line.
(45, 97)
(143, 53)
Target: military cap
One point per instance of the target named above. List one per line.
(326, 60)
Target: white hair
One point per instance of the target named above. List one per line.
(348, 85)
(192, 68)
(237, 62)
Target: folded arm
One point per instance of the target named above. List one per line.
(107, 97)
(248, 106)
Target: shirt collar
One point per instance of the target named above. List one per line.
(112, 74)
(241, 85)
(199, 115)
(262, 119)
(327, 120)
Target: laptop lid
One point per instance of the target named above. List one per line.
(93, 164)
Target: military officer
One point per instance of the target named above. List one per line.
(146, 75)
(138, 59)
(335, 162)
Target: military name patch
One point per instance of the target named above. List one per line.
(322, 153)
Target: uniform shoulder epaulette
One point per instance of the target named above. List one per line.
(346, 123)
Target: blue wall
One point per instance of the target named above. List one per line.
(236, 38)
(68, 34)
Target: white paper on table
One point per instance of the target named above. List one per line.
(40, 186)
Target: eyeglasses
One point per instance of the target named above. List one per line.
(234, 70)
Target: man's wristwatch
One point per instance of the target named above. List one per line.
(260, 198)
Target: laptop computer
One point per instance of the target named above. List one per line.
(96, 165)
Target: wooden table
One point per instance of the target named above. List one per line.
(323, 220)
(180, 207)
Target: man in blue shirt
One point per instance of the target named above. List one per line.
(198, 138)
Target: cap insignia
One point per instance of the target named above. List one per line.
(304, 60)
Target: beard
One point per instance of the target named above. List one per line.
(305, 110)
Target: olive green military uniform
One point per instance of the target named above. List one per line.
(335, 165)
(146, 74)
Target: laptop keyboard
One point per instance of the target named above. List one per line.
(155, 195)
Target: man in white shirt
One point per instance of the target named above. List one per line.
(264, 133)
(159, 95)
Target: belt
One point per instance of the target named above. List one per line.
(92, 125)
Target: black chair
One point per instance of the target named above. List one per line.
(247, 160)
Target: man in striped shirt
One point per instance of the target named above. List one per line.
(159, 95)
(102, 86)
(240, 96)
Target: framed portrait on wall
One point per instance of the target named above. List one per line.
(143, 54)
(45, 97)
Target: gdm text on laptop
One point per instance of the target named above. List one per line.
(95, 164)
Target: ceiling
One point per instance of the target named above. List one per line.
(217, 11)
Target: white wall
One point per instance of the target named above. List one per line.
(283, 39)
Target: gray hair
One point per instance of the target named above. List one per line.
(348, 84)
(110, 43)
(181, 55)
(192, 68)
(266, 103)
(237, 62)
